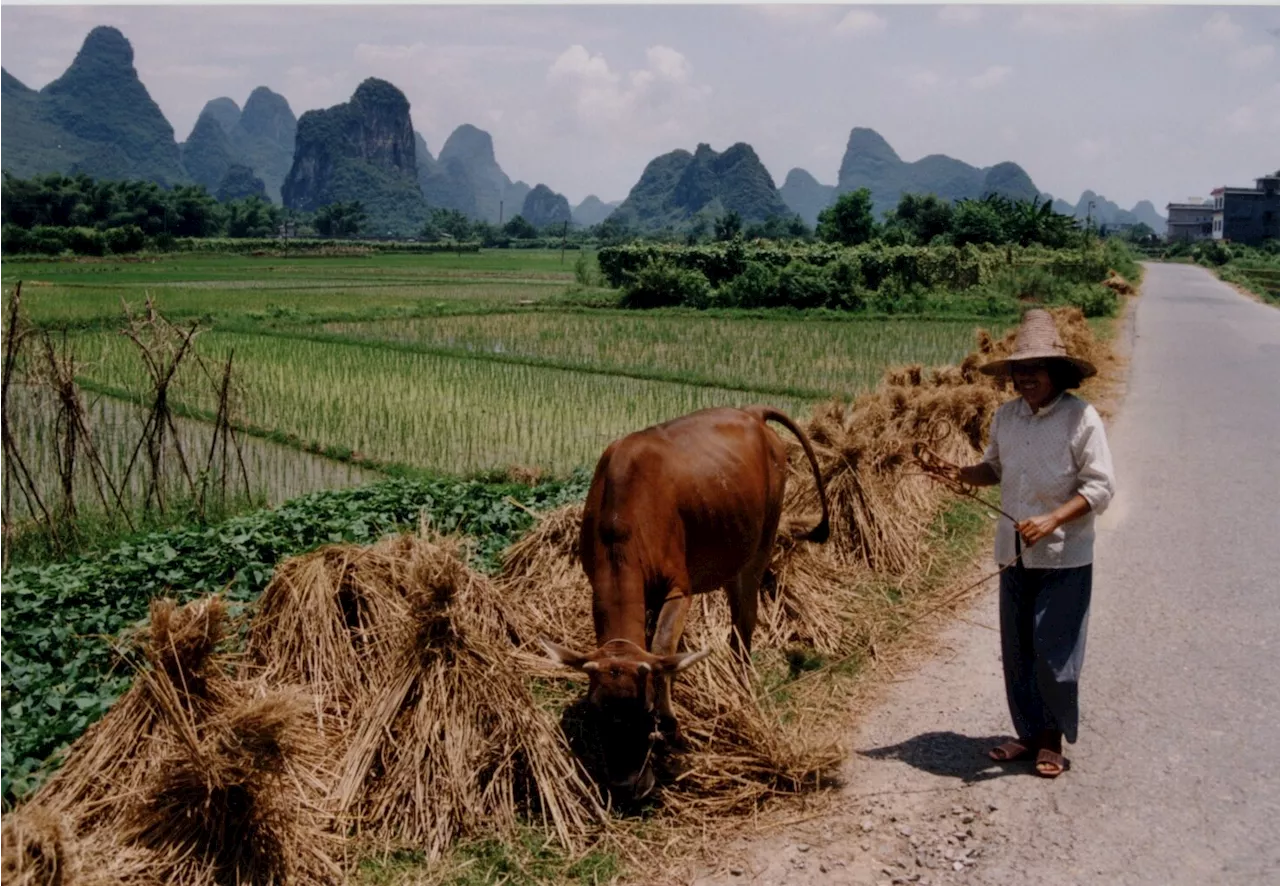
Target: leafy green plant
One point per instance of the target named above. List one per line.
(662, 285)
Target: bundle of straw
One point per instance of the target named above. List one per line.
(37, 849)
(107, 766)
(195, 776)
(326, 620)
(452, 743)
(234, 798)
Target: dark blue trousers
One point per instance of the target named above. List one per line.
(1044, 614)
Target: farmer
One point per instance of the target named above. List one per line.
(1048, 451)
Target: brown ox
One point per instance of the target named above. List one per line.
(674, 510)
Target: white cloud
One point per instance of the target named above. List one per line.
(960, 15)
(992, 76)
(1220, 27)
(576, 61)
(667, 62)
(861, 21)
(654, 98)
(1253, 57)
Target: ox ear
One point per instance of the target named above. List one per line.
(564, 655)
(674, 664)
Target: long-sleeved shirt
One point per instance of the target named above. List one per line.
(1043, 459)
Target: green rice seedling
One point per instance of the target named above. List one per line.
(803, 357)
(431, 412)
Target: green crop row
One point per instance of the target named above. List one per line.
(799, 357)
(438, 413)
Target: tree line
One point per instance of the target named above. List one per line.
(53, 213)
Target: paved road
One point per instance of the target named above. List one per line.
(1176, 777)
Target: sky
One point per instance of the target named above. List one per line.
(1134, 102)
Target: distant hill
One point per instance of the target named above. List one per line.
(1146, 214)
(678, 186)
(805, 195)
(362, 150)
(207, 153)
(260, 137)
(466, 177)
(869, 162)
(1106, 212)
(592, 211)
(30, 144)
(97, 118)
(543, 207)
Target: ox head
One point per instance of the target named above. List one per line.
(621, 698)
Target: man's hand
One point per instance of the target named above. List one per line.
(1035, 528)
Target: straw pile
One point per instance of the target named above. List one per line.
(449, 742)
(193, 777)
(1117, 284)
(181, 676)
(327, 621)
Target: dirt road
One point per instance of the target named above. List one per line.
(1174, 779)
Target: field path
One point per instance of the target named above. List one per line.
(1174, 778)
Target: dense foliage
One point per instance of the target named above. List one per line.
(54, 213)
(890, 279)
(58, 675)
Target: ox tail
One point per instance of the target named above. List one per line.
(822, 531)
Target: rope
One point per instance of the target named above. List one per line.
(944, 471)
(951, 598)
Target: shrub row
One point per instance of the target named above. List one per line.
(901, 279)
(51, 240)
(870, 264)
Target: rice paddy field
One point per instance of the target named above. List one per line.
(278, 472)
(806, 358)
(441, 363)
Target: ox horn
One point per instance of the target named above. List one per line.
(564, 655)
(674, 664)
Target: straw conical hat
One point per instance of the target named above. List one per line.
(1038, 339)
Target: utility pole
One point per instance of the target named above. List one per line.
(564, 237)
(499, 213)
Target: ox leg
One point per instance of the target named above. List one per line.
(666, 637)
(744, 599)
(744, 588)
(743, 602)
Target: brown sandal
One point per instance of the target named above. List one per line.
(1050, 764)
(1009, 751)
